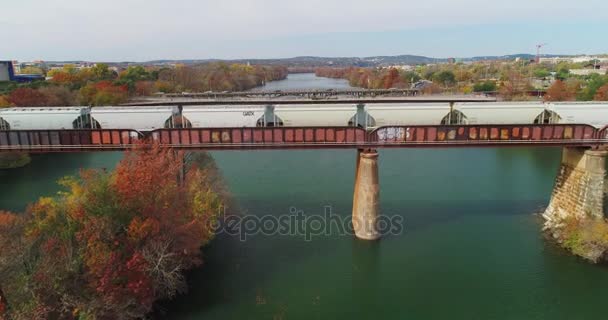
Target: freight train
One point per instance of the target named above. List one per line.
(368, 116)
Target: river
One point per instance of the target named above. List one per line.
(471, 247)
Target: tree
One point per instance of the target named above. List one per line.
(486, 86)
(602, 93)
(559, 92)
(410, 77)
(594, 82)
(514, 85)
(57, 96)
(4, 102)
(132, 75)
(102, 72)
(446, 78)
(27, 97)
(103, 93)
(110, 244)
(391, 78)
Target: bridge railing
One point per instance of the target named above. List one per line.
(66, 140)
(267, 137)
(484, 134)
(305, 137)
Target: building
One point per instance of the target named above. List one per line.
(587, 72)
(7, 73)
(573, 59)
(16, 67)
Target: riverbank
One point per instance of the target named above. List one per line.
(14, 160)
(584, 237)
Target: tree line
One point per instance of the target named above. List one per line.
(509, 80)
(99, 85)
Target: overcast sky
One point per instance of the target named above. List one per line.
(139, 30)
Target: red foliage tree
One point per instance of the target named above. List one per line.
(602, 93)
(27, 97)
(113, 243)
(391, 78)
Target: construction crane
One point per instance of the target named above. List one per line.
(538, 47)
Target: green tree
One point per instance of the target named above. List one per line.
(446, 78)
(594, 82)
(486, 86)
(102, 72)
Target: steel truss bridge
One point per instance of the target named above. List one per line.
(259, 138)
(310, 94)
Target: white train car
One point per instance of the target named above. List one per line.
(500, 113)
(44, 118)
(137, 118)
(225, 116)
(592, 113)
(386, 114)
(329, 115)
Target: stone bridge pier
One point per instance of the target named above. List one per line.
(580, 187)
(366, 196)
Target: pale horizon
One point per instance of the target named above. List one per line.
(135, 30)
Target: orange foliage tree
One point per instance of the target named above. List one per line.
(103, 93)
(4, 102)
(602, 93)
(113, 243)
(559, 91)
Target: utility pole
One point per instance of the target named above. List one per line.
(538, 47)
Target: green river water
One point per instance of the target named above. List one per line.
(471, 247)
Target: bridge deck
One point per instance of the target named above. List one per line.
(305, 137)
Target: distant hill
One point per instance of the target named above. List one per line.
(375, 61)
(311, 61)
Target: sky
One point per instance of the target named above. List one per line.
(142, 30)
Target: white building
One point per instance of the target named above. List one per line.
(586, 72)
(576, 59)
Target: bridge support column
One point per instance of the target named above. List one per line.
(580, 187)
(366, 196)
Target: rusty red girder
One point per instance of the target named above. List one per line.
(244, 138)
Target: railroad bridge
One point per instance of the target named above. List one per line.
(580, 187)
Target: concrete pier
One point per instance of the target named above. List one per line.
(580, 186)
(366, 196)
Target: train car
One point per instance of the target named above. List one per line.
(385, 114)
(226, 116)
(137, 118)
(294, 115)
(500, 113)
(44, 118)
(592, 113)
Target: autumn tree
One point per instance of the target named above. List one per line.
(602, 93)
(27, 97)
(390, 78)
(514, 86)
(103, 93)
(58, 96)
(112, 243)
(4, 102)
(559, 91)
